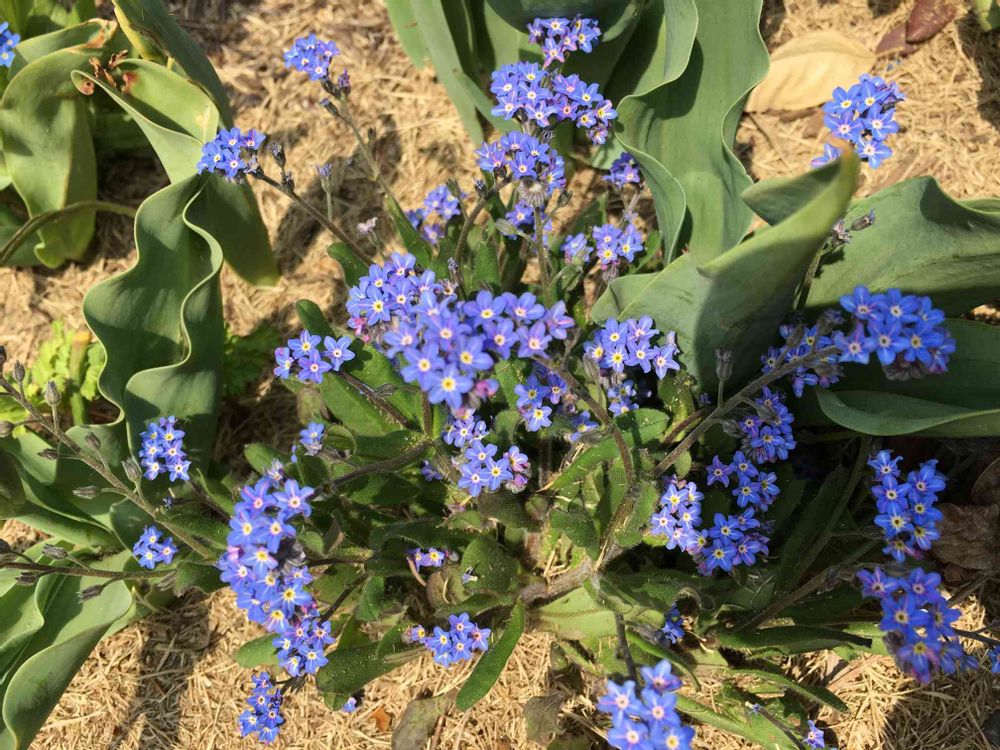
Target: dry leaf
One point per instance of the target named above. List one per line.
(382, 719)
(894, 42)
(986, 490)
(927, 19)
(805, 70)
(970, 536)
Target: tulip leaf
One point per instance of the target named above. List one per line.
(923, 242)
(682, 131)
(737, 300)
(963, 402)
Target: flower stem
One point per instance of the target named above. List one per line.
(471, 218)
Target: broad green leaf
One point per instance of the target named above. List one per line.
(177, 117)
(12, 498)
(418, 720)
(682, 131)
(575, 616)
(161, 323)
(253, 654)
(638, 428)
(351, 265)
(446, 29)
(48, 661)
(810, 522)
(204, 578)
(788, 639)
(491, 664)
(350, 669)
(577, 524)
(152, 21)
(644, 502)
(813, 692)
(963, 402)
(657, 589)
(737, 300)
(987, 13)
(404, 23)
(923, 242)
(754, 728)
(494, 568)
(54, 165)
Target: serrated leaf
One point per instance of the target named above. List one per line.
(492, 663)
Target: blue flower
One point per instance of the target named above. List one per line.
(814, 738)
(8, 40)
(620, 700)
(830, 153)
(162, 450)
(311, 56)
(150, 549)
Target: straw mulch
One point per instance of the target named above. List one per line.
(170, 682)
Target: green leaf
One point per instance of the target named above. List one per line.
(638, 428)
(152, 20)
(444, 25)
(494, 568)
(578, 526)
(257, 652)
(643, 505)
(161, 323)
(418, 720)
(657, 589)
(812, 692)
(350, 669)
(809, 524)
(404, 23)
(491, 664)
(575, 616)
(54, 165)
(788, 639)
(36, 679)
(754, 728)
(12, 497)
(541, 716)
(350, 264)
(204, 578)
(923, 242)
(682, 131)
(737, 300)
(961, 403)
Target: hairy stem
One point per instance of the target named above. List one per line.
(474, 214)
(82, 571)
(315, 213)
(99, 466)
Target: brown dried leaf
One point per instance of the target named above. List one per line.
(986, 490)
(806, 69)
(894, 43)
(927, 18)
(970, 536)
(382, 719)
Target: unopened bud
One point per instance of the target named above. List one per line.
(278, 152)
(132, 470)
(18, 373)
(52, 397)
(723, 363)
(26, 579)
(864, 222)
(49, 454)
(6, 428)
(452, 184)
(92, 441)
(54, 552)
(564, 198)
(481, 189)
(86, 493)
(330, 107)
(91, 592)
(506, 227)
(3, 355)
